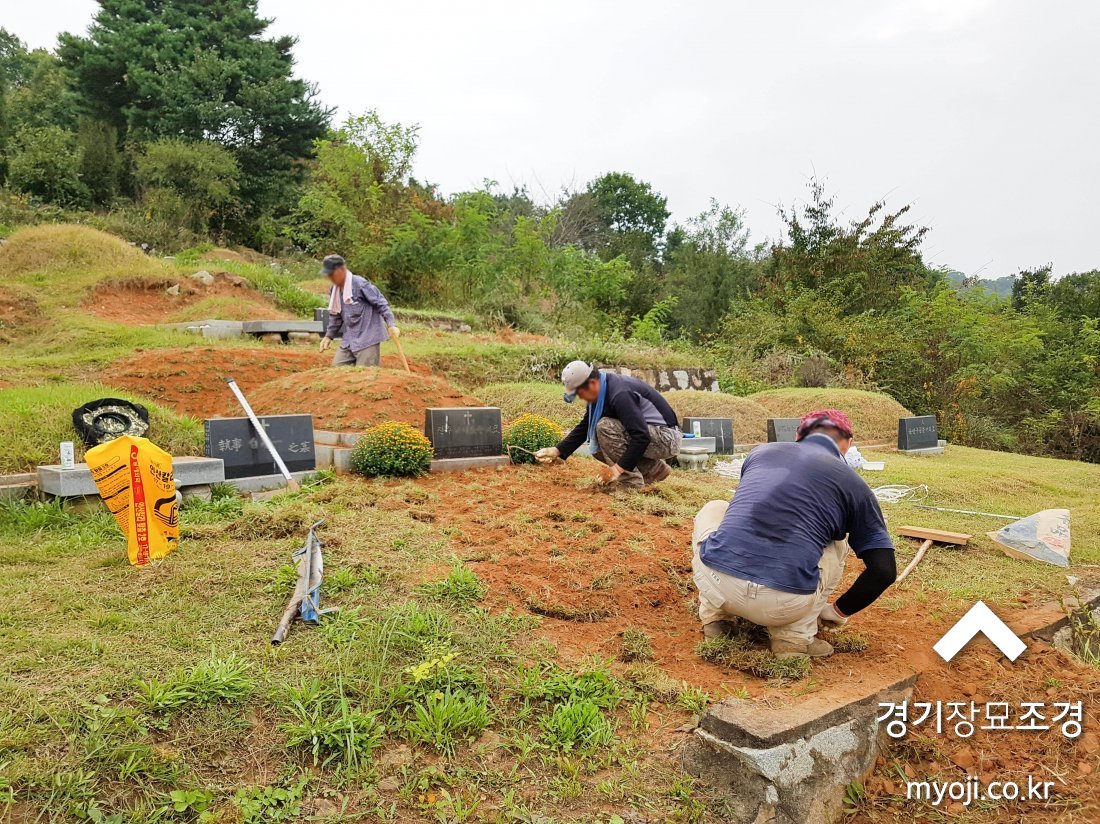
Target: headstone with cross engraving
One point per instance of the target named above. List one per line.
(721, 429)
(464, 432)
(918, 433)
(236, 442)
(782, 429)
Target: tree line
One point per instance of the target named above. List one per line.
(171, 126)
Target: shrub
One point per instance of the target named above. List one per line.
(392, 448)
(528, 434)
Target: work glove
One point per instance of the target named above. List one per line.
(395, 332)
(829, 615)
(325, 341)
(547, 454)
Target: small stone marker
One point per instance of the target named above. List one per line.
(782, 429)
(322, 316)
(918, 433)
(235, 442)
(464, 432)
(721, 429)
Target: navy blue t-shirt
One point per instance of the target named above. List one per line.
(793, 499)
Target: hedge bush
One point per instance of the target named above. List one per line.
(392, 448)
(530, 433)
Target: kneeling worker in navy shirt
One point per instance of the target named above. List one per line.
(774, 555)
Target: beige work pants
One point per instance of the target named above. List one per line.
(789, 617)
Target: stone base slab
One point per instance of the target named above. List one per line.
(69, 483)
(459, 464)
(931, 450)
(789, 764)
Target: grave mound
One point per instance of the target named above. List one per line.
(347, 399)
(146, 301)
(874, 415)
(749, 417)
(539, 398)
(65, 246)
(191, 380)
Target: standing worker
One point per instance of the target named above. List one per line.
(629, 423)
(776, 553)
(358, 313)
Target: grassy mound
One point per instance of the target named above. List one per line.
(33, 421)
(749, 417)
(515, 399)
(874, 416)
(354, 399)
(81, 255)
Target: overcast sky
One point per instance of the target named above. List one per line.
(981, 113)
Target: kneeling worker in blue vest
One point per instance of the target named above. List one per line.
(629, 424)
(774, 555)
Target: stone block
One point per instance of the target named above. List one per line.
(464, 432)
(695, 460)
(262, 483)
(341, 460)
(302, 337)
(271, 337)
(459, 464)
(263, 327)
(782, 430)
(706, 444)
(77, 482)
(16, 492)
(918, 432)
(209, 328)
(198, 492)
(326, 436)
(932, 450)
(790, 763)
(234, 441)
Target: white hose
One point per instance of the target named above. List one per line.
(896, 493)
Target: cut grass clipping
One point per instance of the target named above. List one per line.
(741, 650)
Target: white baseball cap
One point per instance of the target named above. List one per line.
(573, 376)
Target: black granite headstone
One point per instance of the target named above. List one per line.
(464, 432)
(721, 429)
(782, 429)
(918, 433)
(322, 315)
(236, 442)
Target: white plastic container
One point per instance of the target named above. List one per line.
(68, 455)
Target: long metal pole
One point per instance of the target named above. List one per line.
(968, 512)
(291, 484)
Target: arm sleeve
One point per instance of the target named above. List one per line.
(335, 325)
(577, 435)
(880, 572)
(629, 412)
(373, 295)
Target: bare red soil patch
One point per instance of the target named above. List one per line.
(354, 399)
(142, 301)
(595, 565)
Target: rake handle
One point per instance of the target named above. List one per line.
(916, 560)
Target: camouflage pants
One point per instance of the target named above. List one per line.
(612, 440)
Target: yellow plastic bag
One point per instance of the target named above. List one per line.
(134, 479)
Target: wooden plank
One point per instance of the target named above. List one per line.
(937, 535)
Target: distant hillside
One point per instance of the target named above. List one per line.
(1001, 286)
